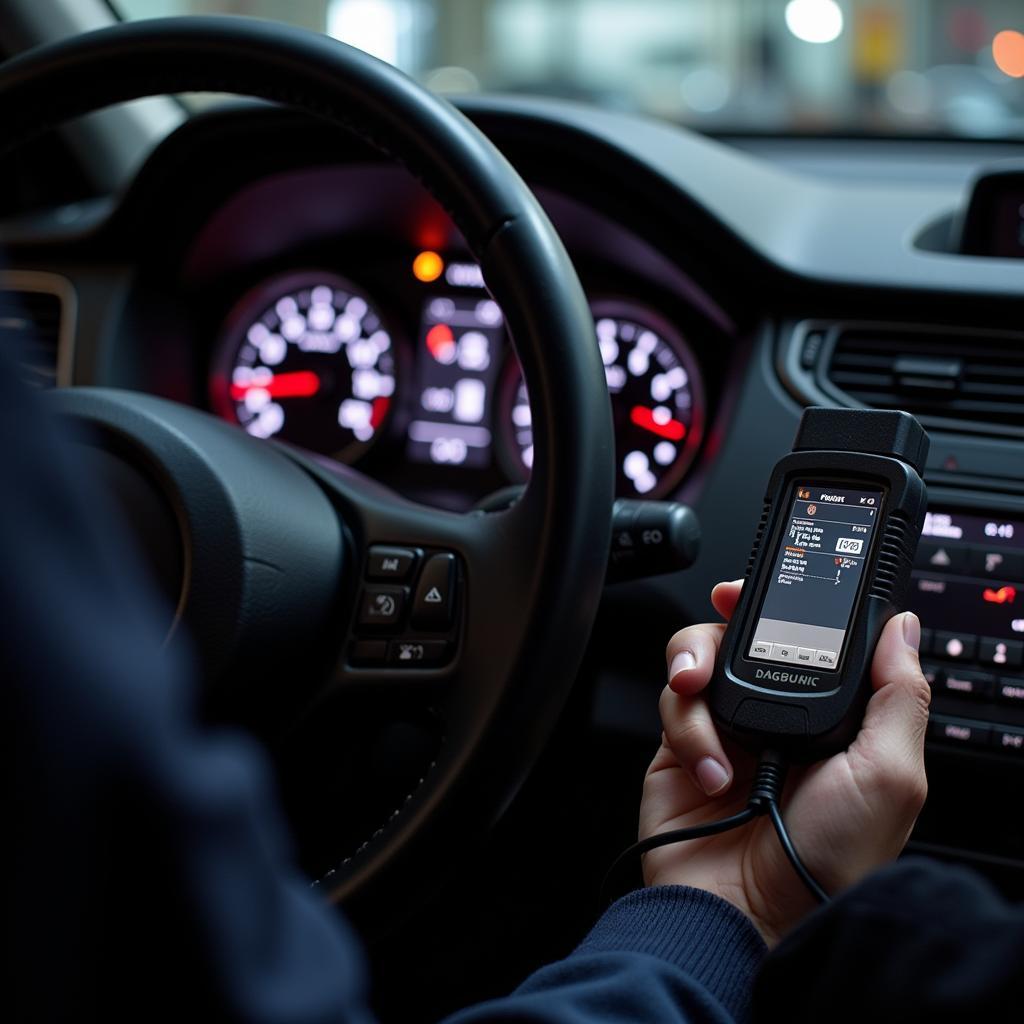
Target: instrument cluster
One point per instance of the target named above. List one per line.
(424, 375)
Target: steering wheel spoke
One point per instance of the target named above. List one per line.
(427, 584)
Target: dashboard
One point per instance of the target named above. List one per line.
(300, 287)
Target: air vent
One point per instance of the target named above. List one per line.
(939, 375)
(35, 325)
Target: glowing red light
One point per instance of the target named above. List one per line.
(1004, 595)
(643, 417)
(299, 384)
(441, 343)
(380, 410)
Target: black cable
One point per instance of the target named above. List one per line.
(794, 858)
(764, 799)
(677, 835)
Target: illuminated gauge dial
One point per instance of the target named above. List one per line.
(306, 358)
(656, 401)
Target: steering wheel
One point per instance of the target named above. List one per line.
(276, 544)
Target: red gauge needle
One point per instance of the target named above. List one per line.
(671, 429)
(299, 384)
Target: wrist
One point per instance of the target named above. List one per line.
(705, 936)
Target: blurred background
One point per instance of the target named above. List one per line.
(843, 67)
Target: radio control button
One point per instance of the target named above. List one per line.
(997, 565)
(1011, 691)
(939, 557)
(1008, 740)
(932, 674)
(966, 684)
(957, 646)
(805, 655)
(760, 649)
(965, 734)
(783, 652)
(825, 659)
(1001, 653)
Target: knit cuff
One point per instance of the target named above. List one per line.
(703, 935)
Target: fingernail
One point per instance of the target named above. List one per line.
(912, 630)
(682, 662)
(711, 776)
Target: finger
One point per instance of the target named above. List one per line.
(670, 792)
(693, 739)
(725, 596)
(691, 654)
(896, 720)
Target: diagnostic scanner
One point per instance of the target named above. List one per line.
(830, 566)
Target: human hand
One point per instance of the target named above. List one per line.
(846, 815)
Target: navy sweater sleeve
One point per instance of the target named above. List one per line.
(915, 942)
(670, 955)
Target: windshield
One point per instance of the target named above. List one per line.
(879, 67)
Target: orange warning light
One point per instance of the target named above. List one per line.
(1008, 52)
(427, 266)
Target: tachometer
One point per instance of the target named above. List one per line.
(656, 401)
(305, 357)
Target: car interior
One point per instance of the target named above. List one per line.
(274, 284)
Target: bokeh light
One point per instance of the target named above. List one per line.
(1008, 52)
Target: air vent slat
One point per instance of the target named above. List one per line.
(30, 325)
(975, 378)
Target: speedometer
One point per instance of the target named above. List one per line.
(656, 401)
(305, 357)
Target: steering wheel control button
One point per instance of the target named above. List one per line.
(368, 652)
(966, 684)
(384, 563)
(418, 653)
(435, 595)
(963, 734)
(382, 606)
(956, 646)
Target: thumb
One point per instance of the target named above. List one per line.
(892, 736)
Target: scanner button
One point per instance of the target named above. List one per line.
(805, 655)
(783, 652)
(760, 649)
(825, 659)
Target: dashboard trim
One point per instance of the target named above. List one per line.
(48, 283)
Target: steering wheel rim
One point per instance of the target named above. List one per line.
(498, 720)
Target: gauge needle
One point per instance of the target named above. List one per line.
(671, 429)
(299, 384)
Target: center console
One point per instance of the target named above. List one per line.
(968, 589)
